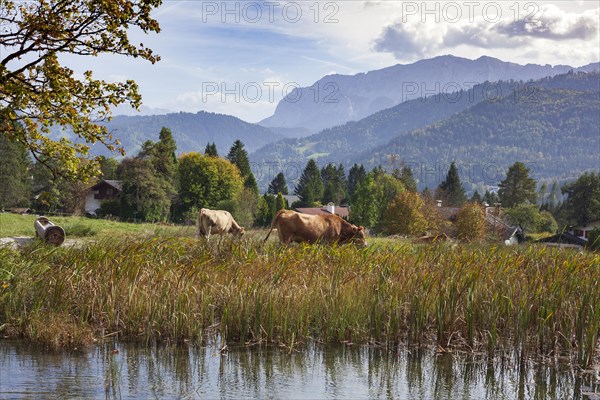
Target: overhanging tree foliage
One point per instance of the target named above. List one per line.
(37, 91)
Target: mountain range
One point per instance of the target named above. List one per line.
(191, 131)
(552, 123)
(336, 99)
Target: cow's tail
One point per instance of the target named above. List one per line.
(275, 220)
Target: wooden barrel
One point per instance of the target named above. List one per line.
(48, 232)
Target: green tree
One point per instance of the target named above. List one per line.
(547, 223)
(211, 150)
(245, 207)
(238, 156)
(476, 198)
(451, 191)
(583, 202)
(163, 155)
(372, 197)
(355, 176)
(518, 187)
(142, 195)
(405, 175)
(334, 183)
(310, 185)
(264, 215)
(206, 181)
(41, 93)
(278, 185)
(108, 167)
(529, 217)
(15, 174)
(280, 203)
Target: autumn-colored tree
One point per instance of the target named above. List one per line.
(404, 215)
(39, 93)
(470, 222)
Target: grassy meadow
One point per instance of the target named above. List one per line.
(146, 282)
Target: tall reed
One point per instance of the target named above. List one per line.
(535, 300)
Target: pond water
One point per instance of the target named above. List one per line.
(117, 370)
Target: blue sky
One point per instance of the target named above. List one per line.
(203, 47)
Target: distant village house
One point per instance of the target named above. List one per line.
(101, 191)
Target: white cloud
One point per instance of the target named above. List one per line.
(421, 36)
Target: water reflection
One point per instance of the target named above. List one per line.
(115, 371)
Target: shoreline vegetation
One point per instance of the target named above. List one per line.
(163, 286)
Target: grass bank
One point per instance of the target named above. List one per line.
(535, 300)
(82, 227)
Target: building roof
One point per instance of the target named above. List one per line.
(564, 237)
(113, 183)
(339, 210)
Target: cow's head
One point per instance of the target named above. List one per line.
(355, 234)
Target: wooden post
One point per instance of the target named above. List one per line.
(48, 232)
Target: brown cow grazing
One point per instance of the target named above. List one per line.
(296, 227)
(216, 222)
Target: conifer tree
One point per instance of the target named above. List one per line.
(356, 175)
(334, 183)
(280, 202)
(278, 185)
(310, 185)
(405, 175)
(518, 187)
(239, 157)
(450, 191)
(476, 198)
(211, 150)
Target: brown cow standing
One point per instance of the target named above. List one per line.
(296, 227)
(216, 222)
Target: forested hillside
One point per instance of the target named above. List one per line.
(354, 141)
(554, 131)
(191, 131)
